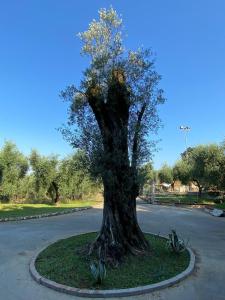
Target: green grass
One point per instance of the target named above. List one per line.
(185, 199)
(220, 206)
(61, 263)
(22, 210)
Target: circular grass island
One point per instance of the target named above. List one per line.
(63, 266)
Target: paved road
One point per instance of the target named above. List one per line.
(19, 241)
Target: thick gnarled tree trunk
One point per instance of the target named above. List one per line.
(120, 233)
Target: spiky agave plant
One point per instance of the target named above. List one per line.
(175, 243)
(98, 271)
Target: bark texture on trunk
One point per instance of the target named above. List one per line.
(53, 192)
(199, 188)
(56, 188)
(120, 233)
(200, 191)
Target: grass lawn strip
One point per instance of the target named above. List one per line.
(184, 199)
(220, 206)
(189, 200)
(25, 210)
(62, 263)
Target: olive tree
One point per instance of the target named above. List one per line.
(110, 118)
(13, 168)
(221, 180)
(75, 180)
(146, 176)
(202, 165)
(46, 175)
(165, 174)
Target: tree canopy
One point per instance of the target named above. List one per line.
(103, 43)
(202, 165)
(46, 174)
(146, 176)
(13, 168)
(75, 178)
(42, 178)
(165, 174)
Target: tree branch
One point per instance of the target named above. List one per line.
(97, 104)
(136, 136)
(196, 183)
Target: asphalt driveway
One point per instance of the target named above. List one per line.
(206, 234)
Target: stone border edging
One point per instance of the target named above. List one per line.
(63, 212)
(183, 204)
(177, 204)
(140, 290)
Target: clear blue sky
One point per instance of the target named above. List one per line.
(39, 56)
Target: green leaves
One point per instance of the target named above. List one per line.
(203, 164)
(182, 171)
(45, 172)
(165, 174)
(48, 177)
(103, 43)
(103, 39)
(13, 168)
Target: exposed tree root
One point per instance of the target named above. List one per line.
(112, 248)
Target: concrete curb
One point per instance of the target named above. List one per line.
(177, 204)
(140, 290)
(63, 212)
(205, 207)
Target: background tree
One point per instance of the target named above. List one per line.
(75, 180)
(1, 171)
(221, 181)
(182, 171)
(46, 175)
(201, 165)
(165, 174)
(146, 176)
(42, 177)
(113, 111)
(221, 162)
(13, 168)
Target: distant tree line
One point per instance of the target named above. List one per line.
(203, 165)
(38, 178)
